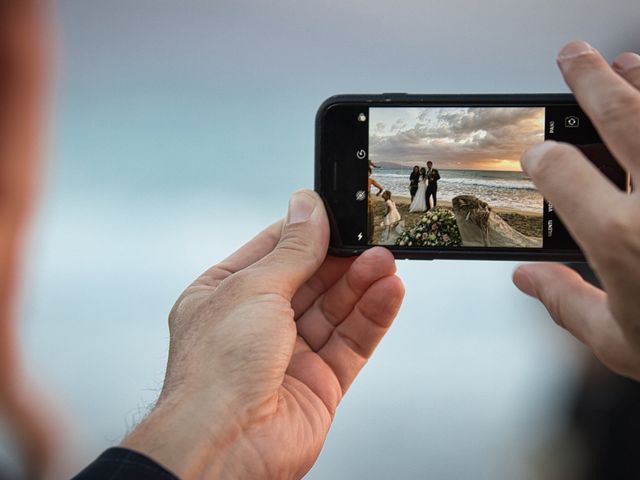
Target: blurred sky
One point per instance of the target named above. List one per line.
(181, 128)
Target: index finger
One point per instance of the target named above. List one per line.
(612, 104)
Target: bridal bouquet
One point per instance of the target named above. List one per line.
(436, 228)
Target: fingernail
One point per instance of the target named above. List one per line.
(534, 154)
(626, 61)
(301, 207)
(574, 49)
(522, 280)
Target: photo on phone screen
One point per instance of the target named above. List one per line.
(448, 177)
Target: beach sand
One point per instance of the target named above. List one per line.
(526, 223)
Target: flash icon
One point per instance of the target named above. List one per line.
(360, 236)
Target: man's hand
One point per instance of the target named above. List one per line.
(604, 221)
(263, 348)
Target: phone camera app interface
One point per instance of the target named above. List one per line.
(450, 177)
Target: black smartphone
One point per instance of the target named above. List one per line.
(439, 176)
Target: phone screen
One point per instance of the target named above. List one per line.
(448, 177)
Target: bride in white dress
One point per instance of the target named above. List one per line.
(419, 203)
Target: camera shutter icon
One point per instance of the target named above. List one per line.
(571, 122)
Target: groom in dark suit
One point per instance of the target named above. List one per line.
(432, 188)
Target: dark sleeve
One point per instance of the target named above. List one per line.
(122, 464)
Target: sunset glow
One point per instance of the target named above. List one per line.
(479, 138)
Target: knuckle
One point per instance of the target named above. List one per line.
(178, 312)
(633, 76)
(297, 247)
(547, 165)
(622, 231)
(236, 282)
(552, 305)
(174, 313)
(619, 107)
(621, 227)
(618, 224)
(623, 361)
(352, 344)
(293, 243)
(631, 329)
(215, 275)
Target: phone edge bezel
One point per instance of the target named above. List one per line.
(451, 99)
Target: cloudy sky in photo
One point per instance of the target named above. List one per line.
(490, 138)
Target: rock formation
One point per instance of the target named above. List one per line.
(480, 227)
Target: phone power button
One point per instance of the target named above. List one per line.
(391, 96)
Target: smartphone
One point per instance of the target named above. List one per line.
(439, 176)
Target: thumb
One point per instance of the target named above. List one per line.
(301, 249)
(582, 309)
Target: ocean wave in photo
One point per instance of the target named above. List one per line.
(498, 189)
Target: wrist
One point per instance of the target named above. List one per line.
(184, 440)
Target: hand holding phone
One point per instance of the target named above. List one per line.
(588, 208)
(604, 221)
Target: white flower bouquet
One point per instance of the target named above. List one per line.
(436, 228)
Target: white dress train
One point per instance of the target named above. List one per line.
(419, 203)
